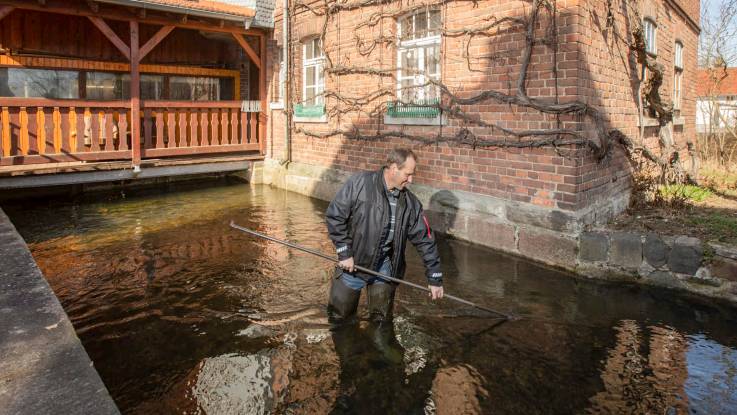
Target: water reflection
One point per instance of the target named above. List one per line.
(182, 314)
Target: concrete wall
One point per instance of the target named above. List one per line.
(44, 369)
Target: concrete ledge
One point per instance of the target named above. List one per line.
(44, 180)
(44, 369)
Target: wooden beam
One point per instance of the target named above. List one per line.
(110, 34)
(77, 10)
(5, 10)
(249, 50)
(135, 86)
(155, 40)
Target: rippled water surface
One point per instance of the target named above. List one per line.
(182, 314)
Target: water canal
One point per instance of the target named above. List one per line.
(182, 314)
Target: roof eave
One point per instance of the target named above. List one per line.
(184, 10)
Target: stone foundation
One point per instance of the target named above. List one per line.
(550, 236)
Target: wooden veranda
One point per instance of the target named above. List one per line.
(89, 58)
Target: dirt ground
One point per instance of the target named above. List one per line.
(713, 220)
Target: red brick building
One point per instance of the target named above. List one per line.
(355, 82)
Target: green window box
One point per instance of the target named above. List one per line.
(309, 111)
(415, 110)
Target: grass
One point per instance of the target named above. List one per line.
(721, 226)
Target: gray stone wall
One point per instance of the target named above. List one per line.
(680, 262)
(553, 237)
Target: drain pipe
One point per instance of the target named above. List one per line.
(287, 82)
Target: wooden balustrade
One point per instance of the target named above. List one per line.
(39, 130)
(181, 128)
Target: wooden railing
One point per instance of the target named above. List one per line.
(39, 130)
(180, 128)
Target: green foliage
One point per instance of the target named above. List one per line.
(685, 192)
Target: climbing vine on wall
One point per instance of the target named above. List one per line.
(539, 25)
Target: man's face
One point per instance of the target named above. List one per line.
(404, 175)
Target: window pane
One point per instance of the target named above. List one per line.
(408, 91)
(432, 60)
(435, 23)
(409, 62)
(105, 86)
(310, 76)
(317, 48)
(309, 53)
(406, 28)
(420, 25)
(151, 86)
(310, 95)
(190, 88)
(39, 83)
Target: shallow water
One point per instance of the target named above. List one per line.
(182, 314)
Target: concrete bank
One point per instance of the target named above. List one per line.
(554, 237)
(43, 367)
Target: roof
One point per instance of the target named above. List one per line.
(264, 11)
(196, 6)
(716, 82)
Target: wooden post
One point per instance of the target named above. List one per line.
(135, 86)
(262, 96)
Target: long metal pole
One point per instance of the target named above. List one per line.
(368, 271)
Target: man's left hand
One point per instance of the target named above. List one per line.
(435, 292)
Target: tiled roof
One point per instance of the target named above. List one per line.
(716, 82)
(210, 6)
(264, 11)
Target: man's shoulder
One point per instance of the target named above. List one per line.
(360, 176)
(412, 199)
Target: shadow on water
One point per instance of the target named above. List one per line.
(180, 313)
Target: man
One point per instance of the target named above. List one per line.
(369, 221)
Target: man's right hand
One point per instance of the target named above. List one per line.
(347, 264)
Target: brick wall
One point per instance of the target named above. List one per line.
(585, 64)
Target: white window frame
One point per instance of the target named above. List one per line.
(677, 75)
(418, 45)
(677, 89)
(318, 63)
(650, 33)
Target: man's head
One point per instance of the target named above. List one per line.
(399, 168)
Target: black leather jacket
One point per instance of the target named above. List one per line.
(358, 215)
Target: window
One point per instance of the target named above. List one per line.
(313, 77)
(39, 83)
(419, 57)
(679, 55)
(677, 77)
(651, 39)
(194, 88)
(277, 93)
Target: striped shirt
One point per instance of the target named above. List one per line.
(393, 196)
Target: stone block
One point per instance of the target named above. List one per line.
(724, 268)
(548, 247)
(655, 250)
(495, 235)
(703, 276)
(555, 220)
(686, 255)
(593, 247)
(626, 250)
(664, 279)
